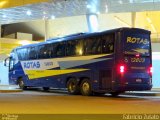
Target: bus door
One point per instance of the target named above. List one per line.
(9, 62)
(12, 75)
(137, 57)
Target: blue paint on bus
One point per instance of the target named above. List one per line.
(116, 60)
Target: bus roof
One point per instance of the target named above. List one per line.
(82, 35)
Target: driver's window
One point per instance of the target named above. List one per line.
(11, 64)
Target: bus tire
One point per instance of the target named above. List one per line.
(85, 87)
(114, 94)
(21, 83)
(72, 86)
(46, 88)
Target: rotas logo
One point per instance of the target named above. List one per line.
(135, 40)
(31, 64)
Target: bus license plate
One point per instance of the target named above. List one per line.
(139, 80)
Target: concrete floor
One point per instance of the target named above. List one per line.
(59, 102)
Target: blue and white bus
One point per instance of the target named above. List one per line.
(112, 61)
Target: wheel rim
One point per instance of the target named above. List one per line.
(86, 87)
(72, 87)
(21, 84)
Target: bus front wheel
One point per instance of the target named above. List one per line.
(72, 86)
(21, 83)
(85, 86)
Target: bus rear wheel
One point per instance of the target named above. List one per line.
(85, 87)
(72, 86)
(46, 88)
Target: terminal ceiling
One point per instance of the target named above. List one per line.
(67, 8)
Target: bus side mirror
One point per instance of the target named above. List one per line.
(6, 62)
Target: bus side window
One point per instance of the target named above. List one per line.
(44, 51)
(32, 53)
(108, 44)
(59, 49)
(71, 48)
(96, 49)
(19, 54)
(49, 51)
(41, 50)
(79, 47)
(92, 46)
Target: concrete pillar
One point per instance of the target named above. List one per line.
(92, 22)
(92, 16)
(46, 29)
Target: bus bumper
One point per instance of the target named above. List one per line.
(132, 87)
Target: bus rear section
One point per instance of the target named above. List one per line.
(134, 64)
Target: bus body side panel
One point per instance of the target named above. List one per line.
(98, 70)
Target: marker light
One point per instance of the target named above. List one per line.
(122, 68)
(137, 55)
(29, 13)
(150, 70)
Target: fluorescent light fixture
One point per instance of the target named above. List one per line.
(88, 6)
(131, 1)
(106, 8)
(120, 2)
(98, 13)
(122, 21)
(149, 20)
(53, 17)
(152, 26)
(44, 12)
(24, 42)
(4, 16)
(29, 13)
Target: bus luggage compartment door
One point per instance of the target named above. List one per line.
(105, 77)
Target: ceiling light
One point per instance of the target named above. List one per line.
(98, 13)
(4, 16)
(149, 20)
(44, 13)
(154, 29)
(131, 1)
(120, 2)
(88, 6)
(106, 8)
(53, 17)
(24, 42)
(29, 13)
